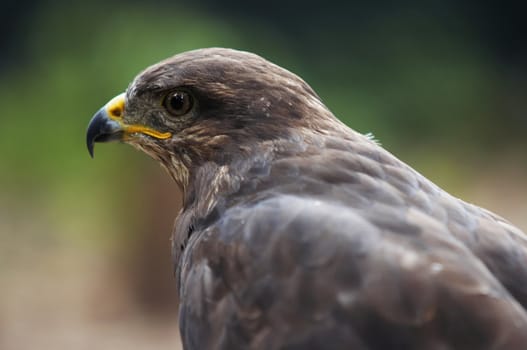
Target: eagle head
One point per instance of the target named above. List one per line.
(208, 105)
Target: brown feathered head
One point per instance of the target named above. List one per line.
(208, 105)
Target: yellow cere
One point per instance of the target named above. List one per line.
(115, 111)
(115, 107)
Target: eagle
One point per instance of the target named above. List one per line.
(297, 232)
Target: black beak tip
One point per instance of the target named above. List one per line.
(94, 129)
(89, 144)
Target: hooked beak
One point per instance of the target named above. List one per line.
(107, 125)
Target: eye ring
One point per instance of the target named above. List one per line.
(178, 102)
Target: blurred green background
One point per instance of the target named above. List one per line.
(84, 254)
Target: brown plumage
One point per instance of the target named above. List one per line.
(299, 233)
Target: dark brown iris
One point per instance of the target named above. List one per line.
(178, 103)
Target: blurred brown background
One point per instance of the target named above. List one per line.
(84, 253)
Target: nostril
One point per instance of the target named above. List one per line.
(116, 112)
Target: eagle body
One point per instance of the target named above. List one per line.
(297, 232)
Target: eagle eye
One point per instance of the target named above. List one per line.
(178, 103)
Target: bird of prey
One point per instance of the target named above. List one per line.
(297, 232)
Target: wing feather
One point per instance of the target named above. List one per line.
(294, 272)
